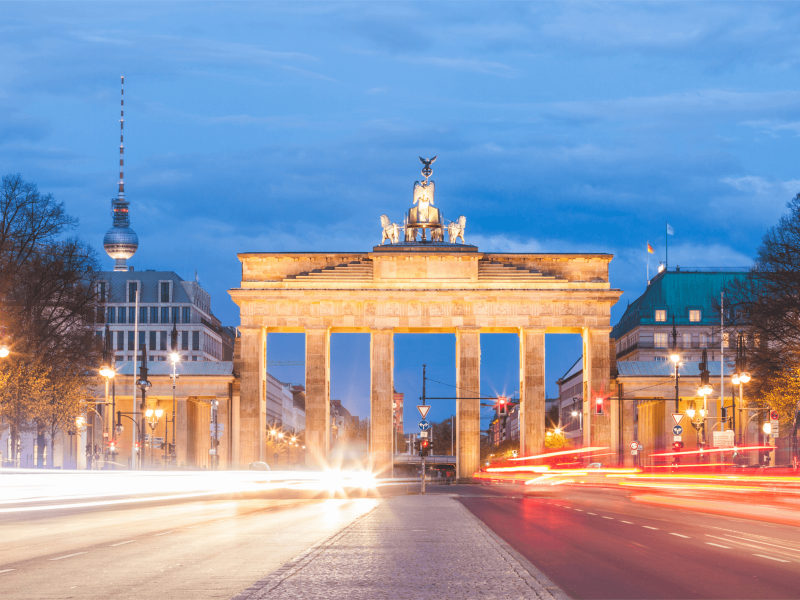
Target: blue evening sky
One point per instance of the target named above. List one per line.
(560, 127)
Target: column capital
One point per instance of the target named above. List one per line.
(316, 328)
(600, 329)
(375, 329)
(532, 329)
(251, 328)
(468, 329)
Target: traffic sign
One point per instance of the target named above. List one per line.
(641, 447)
(773, 415)
(634, 452)
(423, 410)
(677, 418)
(220, 427)
(212, 451)
(676, 438)
(634, 445)
(423, 434)
(677, 430)
(424, 425)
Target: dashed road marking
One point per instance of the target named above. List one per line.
(7, 570)
(771, 558)
(680, 535)
(193, 526)
(68, 556)
(718, 545)
(588, 513)
(648, 527)
(628, 522)
(121, 543)
(612, 518)
(164, 533)
(579, 510)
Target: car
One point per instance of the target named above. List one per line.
(595, 466)
(258, 466)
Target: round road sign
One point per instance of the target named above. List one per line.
(424, 425)
(677, 430)
(634, 445)
(773, 415)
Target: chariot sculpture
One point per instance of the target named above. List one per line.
(423, 216)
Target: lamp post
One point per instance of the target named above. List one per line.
(152, 420)
(579, 414)
(740, 377)
(119, 429)
(704, 390)
(675, 358)
(143, 385)
(107, 372)
(175, 358)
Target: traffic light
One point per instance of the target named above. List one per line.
(677, 446)
(424, 447)
(502, 406)
(599, 406)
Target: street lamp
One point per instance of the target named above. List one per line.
(3, 351)
(152, 419)
(675, 358)
(143, 384)
(740, 377)
(174, 358)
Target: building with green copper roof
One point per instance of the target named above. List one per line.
(690, 297)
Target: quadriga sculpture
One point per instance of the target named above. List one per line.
(391, 231)
(456, 229)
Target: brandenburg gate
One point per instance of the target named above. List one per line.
(421, 281)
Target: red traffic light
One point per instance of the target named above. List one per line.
(425, 444)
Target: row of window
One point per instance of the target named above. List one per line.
(660, 340)
(123, 314)
(694, 316)
(158, 340)
(133, 286)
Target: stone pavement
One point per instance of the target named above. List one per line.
(408, 547)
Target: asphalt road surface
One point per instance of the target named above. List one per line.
(600, 544)
(188, 550)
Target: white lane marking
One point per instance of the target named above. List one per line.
(755, 545)
(68, 556)
(648, 527)
(588, 513)
(612, 518)
(164, 533)
(718, 545)
(762, 543)
(680, 535)
(193, 526)
(579, 510)
(628, 522)
(121, 543)
(771, 557)
(7, 570)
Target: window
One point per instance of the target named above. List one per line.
(101, 291)
(120, 340)
(142, 314)
(131, 314)
(660, 358)
(121, 314)
(694, 316)
(175, 314)
(661, 316)
(659, 340)
(130, 340)
(686, 340)
(164, 314)
(100, 314)
(163, 344)
(703, 340)
(187, 315)
(111, 314)
(195, 340)
(185, 340)
(154, 314)
(153, 340)
(132, 287)
(165, 291)
(194, 358)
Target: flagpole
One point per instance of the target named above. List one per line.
(648, 264)
(666, 245)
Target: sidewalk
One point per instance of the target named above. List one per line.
(409, 547)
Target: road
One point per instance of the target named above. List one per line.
(187, 550)
(601, 544)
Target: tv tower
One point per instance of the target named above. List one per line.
(121, 242)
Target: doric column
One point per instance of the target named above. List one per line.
(318, 400)
(252, 399)
(468, 412)
(381, 397)
(531, 390)
(596, 384)
(626, 405)
(181, 432)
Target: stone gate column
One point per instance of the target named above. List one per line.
(531, 390)
(318, 400)
(381, 397)
(252, 399)
(596, 384)
(468, 412)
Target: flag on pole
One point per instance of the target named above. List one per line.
(670, 230)
(650, 248)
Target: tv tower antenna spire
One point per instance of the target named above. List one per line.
(121, 242)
